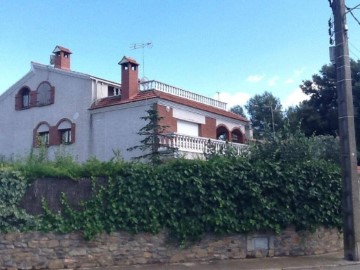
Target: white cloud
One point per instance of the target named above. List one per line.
(289, 81)
(294, 98)
(273, 81)
(299, 72)
(233, 99)
(255, 78)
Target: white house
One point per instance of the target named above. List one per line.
(87, 116)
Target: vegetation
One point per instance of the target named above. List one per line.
(12, 189)
(265, 112)
(151, 146)
(238, 110)
(287, 180)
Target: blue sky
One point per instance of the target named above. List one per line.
(236, 47)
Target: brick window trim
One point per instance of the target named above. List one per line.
(33, 97)
(72, 127)
(242, 138)
(36, 133)
(55, 133)
(229, 134)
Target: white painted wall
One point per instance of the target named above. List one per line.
(98, 132)
(116, 128)
(72, 100)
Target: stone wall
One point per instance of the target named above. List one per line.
(36, 250)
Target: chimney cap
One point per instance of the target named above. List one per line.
(126, 60)
(61, 49)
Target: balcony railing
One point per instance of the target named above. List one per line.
(155, 85)
(185, 143)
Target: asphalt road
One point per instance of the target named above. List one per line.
(321, 262)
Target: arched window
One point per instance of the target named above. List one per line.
(66, 131)
(42, 133)
(44, 94)
(237, 136)
(22, 99)
(222, 133)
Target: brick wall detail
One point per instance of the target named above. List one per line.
(33, 102)
(36, 250)
(168, 119)
(209, 129)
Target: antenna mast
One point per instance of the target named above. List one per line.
(136, 46)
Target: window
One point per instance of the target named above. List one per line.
(66, 132)
(44, 94)
(26, 98)
(42, 134)
(222, 133)
(110, 91)
(237, 136)
(187, 128)
(65, 136)
(43, 138)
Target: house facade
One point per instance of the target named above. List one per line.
(84, 116)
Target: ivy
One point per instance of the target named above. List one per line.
(287, 180)
(12, 189)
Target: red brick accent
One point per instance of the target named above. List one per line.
(35, 133)
(57, 131)
(62, 60)
(54, 136)
(150, 94)
(54, 133)
(52, 95)
(129, 78)
(223, 129)
(18, 102)
(208, 130)
(240, 135)
(33, 98)
(168, 119)
(73, 132)
(19, 98)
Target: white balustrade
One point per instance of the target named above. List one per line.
(193, 144)
(155, 85)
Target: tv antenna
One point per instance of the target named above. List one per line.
(136, 46)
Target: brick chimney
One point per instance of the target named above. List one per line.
(61, 58)
(129, 78)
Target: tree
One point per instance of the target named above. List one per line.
(152, 145)
(238, 110)
(319, 114)
(265, 113)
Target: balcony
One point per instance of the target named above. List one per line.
(192, 147)
(155, 85)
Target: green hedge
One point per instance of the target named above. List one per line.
(222, 195)
(289, 180)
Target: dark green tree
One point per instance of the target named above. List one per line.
(155, 145)
(319, 114)
(239, 110)
(265, 113)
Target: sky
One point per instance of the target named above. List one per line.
(226, 49)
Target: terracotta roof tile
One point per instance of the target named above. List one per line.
(60, 48)
(143, 95)
(126, 59)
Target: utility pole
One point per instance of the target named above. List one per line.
(350, 178)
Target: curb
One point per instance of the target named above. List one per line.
(343, 264)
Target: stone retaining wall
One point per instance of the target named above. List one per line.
(36, 250)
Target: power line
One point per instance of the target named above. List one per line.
(352, 45)
(352, 14)
(350, 9)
